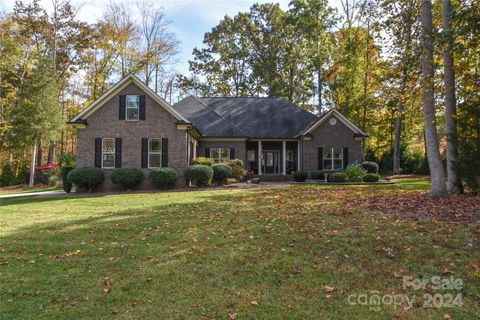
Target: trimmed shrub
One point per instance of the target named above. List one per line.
(203, 161)
(337, 177)
(67, 164)
(238, 173)
(86, 177)
(236, 162)
(221, 172)
(201, 175)
(371, 177)
(128, 177)
(164, 178)
(371, 167)
(67, 186)
(317, 175)
(300, 176)
(355, 172)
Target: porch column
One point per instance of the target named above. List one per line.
(259, 157)
(298, 155)
(284, 158)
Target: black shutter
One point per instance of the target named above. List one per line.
(345, 157)
(122, 107)
(232, 153)
(144, 152)
(164, 152)
(118, 152)
(207, 152)
(142, 108)
(98, 152)
(320, 158)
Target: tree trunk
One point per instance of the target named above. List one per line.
(437, 176)
(454, 184)
(51, 153)
(320, 88)
(398, 133)
(39, 153)
(32, 165)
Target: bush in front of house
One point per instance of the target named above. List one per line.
(355, 172)
(67, 164)
(371, 177)
(317, 175)
(238, 173)
(221, 172)
(128, 177)
(370, 166)
(86, 177)
(203, 161)
(300, 176)
(201, 175)
(164, 178)
(337, 177)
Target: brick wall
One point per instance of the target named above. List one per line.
(327, 135)
(158, 123)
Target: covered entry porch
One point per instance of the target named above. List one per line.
(273, 157)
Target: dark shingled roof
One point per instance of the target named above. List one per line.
(245, 117)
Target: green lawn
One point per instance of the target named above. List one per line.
(295, 253)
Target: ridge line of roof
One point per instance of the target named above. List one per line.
(206, 106)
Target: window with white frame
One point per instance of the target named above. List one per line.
(154, 153)
(220, 154)
(133, 108)
(108, 153)
(332, 158)
(251, 155)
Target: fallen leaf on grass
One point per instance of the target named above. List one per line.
(399, 273)
(233, 316)
(254, 303)
(329, 289)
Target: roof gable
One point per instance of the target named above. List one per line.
(340, 117)
(115, 89)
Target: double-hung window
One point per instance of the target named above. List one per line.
(154, 153)
(108, 153)
(133, 108)
(220, 154)
(332, 158)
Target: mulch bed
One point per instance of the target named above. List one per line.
(421, 206)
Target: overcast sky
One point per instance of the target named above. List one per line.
(190, 19)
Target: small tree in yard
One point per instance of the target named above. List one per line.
(37, 114)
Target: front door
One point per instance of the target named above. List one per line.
(270, 161)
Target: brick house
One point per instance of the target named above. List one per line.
(131, 126)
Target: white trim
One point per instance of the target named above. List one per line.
(114, 153)
(272, 140)
(220, 149)
(284, 159)
(298, 156)
(110, 93)
(340, 117)
(154, 152)
(127, 107)
(332, 159)
(260, 157)
(222, 139)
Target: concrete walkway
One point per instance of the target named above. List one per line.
(25, 194)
